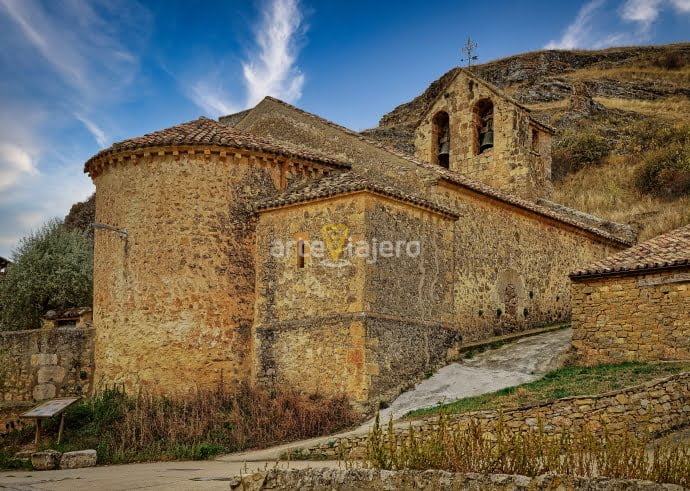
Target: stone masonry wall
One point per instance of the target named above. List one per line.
(513, 164)
(639, 317)
(40, 364)
(657, 407)
(511, 269)
(366, 328)
(431, 480)
(174, 303)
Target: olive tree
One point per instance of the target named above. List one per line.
(52, 269)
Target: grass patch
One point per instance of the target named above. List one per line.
(609, 191)
(137, 428)
(565, 382)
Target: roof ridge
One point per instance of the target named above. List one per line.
(341, 183)
(205, 131)
(668, 250)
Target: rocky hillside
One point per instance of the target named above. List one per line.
(607, 92)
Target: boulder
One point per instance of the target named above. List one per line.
(46, 460)
(76, 460)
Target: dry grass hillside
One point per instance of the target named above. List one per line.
(623, 118)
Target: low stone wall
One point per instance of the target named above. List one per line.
(9, 415)
(657, 407)
(40, 364)
(432, 480)
(623, 318)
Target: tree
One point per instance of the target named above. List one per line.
(52, 270)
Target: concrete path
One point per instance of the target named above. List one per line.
(518, 362)
(202, 475)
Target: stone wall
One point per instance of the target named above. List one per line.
(657, 407)
(511, 268)
(638, 317)
(516, 164)
(367, 326)
(431, 480)
(173, 304)
(40, 364)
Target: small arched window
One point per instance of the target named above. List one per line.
(484, 125)
(441, 139)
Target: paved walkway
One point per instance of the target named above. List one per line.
(518, 362)
(202, 475)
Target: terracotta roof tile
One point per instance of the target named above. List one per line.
(456, 178)
(669, 250)
(342, 183)
(207, 132)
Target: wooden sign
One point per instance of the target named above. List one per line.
(48, 409)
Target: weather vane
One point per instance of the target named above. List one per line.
(468, 49)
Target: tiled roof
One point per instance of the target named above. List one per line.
(459, 179)
(342, 183)
(207, 132)
(670, 250)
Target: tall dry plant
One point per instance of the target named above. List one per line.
(530, 453)
(127, 428)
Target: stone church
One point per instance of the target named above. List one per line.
(460, 243)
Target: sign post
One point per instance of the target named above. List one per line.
(47, 410)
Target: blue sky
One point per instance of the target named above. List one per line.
(76, 76)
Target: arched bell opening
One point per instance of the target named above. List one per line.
(441, 139)
(484, 125)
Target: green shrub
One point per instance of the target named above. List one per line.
(52, 269)
(666, 172)
(576, 150)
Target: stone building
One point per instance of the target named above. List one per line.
(277, 247)
(635, 305)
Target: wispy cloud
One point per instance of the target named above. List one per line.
(638, 17)
(682, 6)
(97, 133)
(210, 96)
(642, 11)
(579, 32)
(270, 67)
(14, 161)
(89, 56)
(272, 70)
(61, 63)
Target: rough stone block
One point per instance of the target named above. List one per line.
(44, 391)
(52, 373)
(41, 359)
(46, 460)
(78, 459)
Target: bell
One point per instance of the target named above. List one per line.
(487, 141)
(445, 149)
